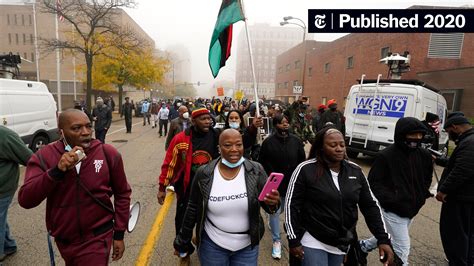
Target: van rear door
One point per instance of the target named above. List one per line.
(374, 112)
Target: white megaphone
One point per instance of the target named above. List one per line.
(134, 214)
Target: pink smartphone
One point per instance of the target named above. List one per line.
(273, 182)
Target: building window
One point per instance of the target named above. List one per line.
(310, 71)
(16, 21)
(30, 20)
(32, 57)
(16, 38)
(9, 38)
(324, 100)
(8, 19)
(24, 38)
(384, 52)
(297, 64)
(327, 66)
(31, 38)
(350, 62)
(295, 82)
(286, 84)
(22, 20)
(279, 85)
(453, 99)
(24, 56)
(288, 67)
(280, 69)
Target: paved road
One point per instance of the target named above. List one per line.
(143, 152)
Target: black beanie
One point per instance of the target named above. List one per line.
(430, 117)
(456, 118)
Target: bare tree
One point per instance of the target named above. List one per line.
(93, 21)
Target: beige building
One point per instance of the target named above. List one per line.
(267, 43)
(17, 36)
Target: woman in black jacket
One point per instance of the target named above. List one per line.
(281, 152)
(224, 207)
(322, 204)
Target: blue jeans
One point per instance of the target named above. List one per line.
(318, 257)
(8, 244)
(274, 220)
(210, 254)
(398, 227)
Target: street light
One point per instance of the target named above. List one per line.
(303, 26)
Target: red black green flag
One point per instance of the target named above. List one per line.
(219, 50)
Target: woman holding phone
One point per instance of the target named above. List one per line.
(225, 208)
(322, 203)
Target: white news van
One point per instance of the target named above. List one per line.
(29, 109)
(372, 110)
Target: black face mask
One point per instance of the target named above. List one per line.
(281, 131)
(413, 143)
(333, 108)
(453, 136)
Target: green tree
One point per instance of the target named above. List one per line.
(134, 67)
(93, 21)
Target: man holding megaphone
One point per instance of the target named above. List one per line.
(78, 175)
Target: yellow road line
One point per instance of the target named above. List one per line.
(148, 246)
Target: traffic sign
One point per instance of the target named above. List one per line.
(298, 89)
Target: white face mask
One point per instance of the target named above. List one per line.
(234, 125)
(186, 115)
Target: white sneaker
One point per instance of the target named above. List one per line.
(170, 188)
(276, 250)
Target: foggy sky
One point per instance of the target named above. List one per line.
(191, 22)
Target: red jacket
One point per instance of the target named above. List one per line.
(178, 158)
(72, 214)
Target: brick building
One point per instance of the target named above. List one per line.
(267, 43)
(445, 61)
(17, 36)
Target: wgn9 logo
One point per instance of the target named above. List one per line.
(387, 105)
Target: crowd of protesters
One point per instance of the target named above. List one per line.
(219, 153)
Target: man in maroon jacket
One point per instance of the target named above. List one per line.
(79, 212)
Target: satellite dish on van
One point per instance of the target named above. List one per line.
(394, 57)
(133, 218)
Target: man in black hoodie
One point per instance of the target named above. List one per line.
(456, 192)
(400, 179)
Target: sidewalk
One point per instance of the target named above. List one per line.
(116, 116)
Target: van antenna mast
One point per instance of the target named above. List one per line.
(397, 64)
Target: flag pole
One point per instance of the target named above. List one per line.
(36, 42)
(58, 70)
(74, 64)
(255, 91)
